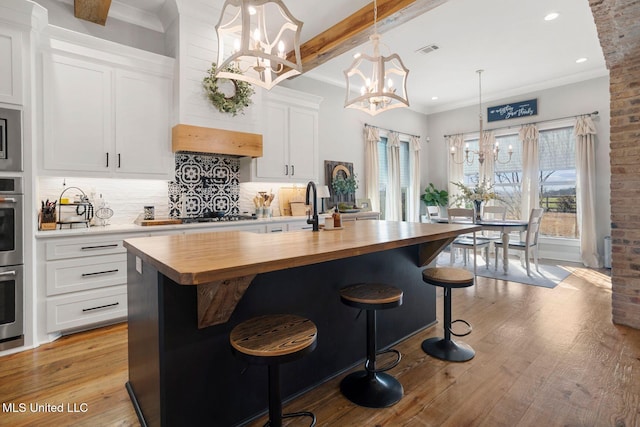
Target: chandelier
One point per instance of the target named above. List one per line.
(484, 149)
(261, 38)
(376, 83)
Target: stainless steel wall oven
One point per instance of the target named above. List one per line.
(11, 262)
(10, 140)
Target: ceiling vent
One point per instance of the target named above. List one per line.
(428, 49)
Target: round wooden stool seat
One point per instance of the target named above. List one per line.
(446, 348)
(372, 387)
(275, 338)
(448, 277)
(371, 296)
(272, 340)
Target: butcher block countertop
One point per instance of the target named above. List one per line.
(195, 259)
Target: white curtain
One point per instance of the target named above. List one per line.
(413, 196)
(393, 208)
(530, 170)
(456, 167)
(371, 167)
(585, 132)
(486, 144)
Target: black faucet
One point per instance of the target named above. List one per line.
(312, 219)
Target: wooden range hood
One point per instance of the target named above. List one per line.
(196, 139)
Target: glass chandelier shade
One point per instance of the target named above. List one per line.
(261, 38)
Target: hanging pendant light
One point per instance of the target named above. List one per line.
(483, 150)
(376, 83)
(260, 38)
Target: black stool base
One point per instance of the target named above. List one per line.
(378, 390)
(293, 415)
(449, 350)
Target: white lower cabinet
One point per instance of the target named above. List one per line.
(85, 277)
(79, 310)
(85, 281)
(299, 225)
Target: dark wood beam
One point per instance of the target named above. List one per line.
(356, 29)
(95, 11)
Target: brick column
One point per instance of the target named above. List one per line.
(618, 27)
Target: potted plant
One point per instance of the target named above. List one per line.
(434, 197)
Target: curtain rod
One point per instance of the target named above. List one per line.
(594, 113)
(389, 130)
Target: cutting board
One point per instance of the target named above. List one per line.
(167, 221)
(286, 195)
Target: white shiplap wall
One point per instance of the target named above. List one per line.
(197, 50)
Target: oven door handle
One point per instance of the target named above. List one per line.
(8, 273)
(8, 200)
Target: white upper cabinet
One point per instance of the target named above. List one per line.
(290, 138)
(78, 115)
(106, 118)
(10, 66)
(143, 108)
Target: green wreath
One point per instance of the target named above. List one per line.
(233, 104)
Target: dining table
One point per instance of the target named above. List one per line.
(505, 227)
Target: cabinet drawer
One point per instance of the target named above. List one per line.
(71, 275)
(74, 248)
(82, 309)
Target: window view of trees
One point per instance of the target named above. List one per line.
(557, 178)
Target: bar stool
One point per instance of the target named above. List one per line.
(446, 348)
(272, 340)
(372, 387)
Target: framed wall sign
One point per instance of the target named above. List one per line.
(512, 110)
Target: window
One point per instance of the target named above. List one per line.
(557, 179)
(508, 176)
(384, 174)
(557, 154)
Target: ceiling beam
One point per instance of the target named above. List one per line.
(95, 11)
(356, 29)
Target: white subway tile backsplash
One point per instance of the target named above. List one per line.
(127, 197)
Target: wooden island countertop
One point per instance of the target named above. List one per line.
(202, 258)
(181, 368)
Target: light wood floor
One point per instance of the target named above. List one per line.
(545, 357)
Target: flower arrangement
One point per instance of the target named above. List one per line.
(481, 192)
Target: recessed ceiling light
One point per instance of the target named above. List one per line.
(551, 16)
(581, 60)
(434, 98)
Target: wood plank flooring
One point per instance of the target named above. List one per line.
(548, 357)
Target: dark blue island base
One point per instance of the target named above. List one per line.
(181, 375)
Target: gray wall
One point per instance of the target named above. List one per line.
(341, 129)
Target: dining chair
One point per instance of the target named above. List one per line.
(433, 212)
(467, 241)
(493, 213)
(530, 245)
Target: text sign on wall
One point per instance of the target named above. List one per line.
(512, 110)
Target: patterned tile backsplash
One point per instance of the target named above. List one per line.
(204, 183)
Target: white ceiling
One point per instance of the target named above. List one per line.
(519, 51)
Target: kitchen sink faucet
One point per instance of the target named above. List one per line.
(312, 219)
